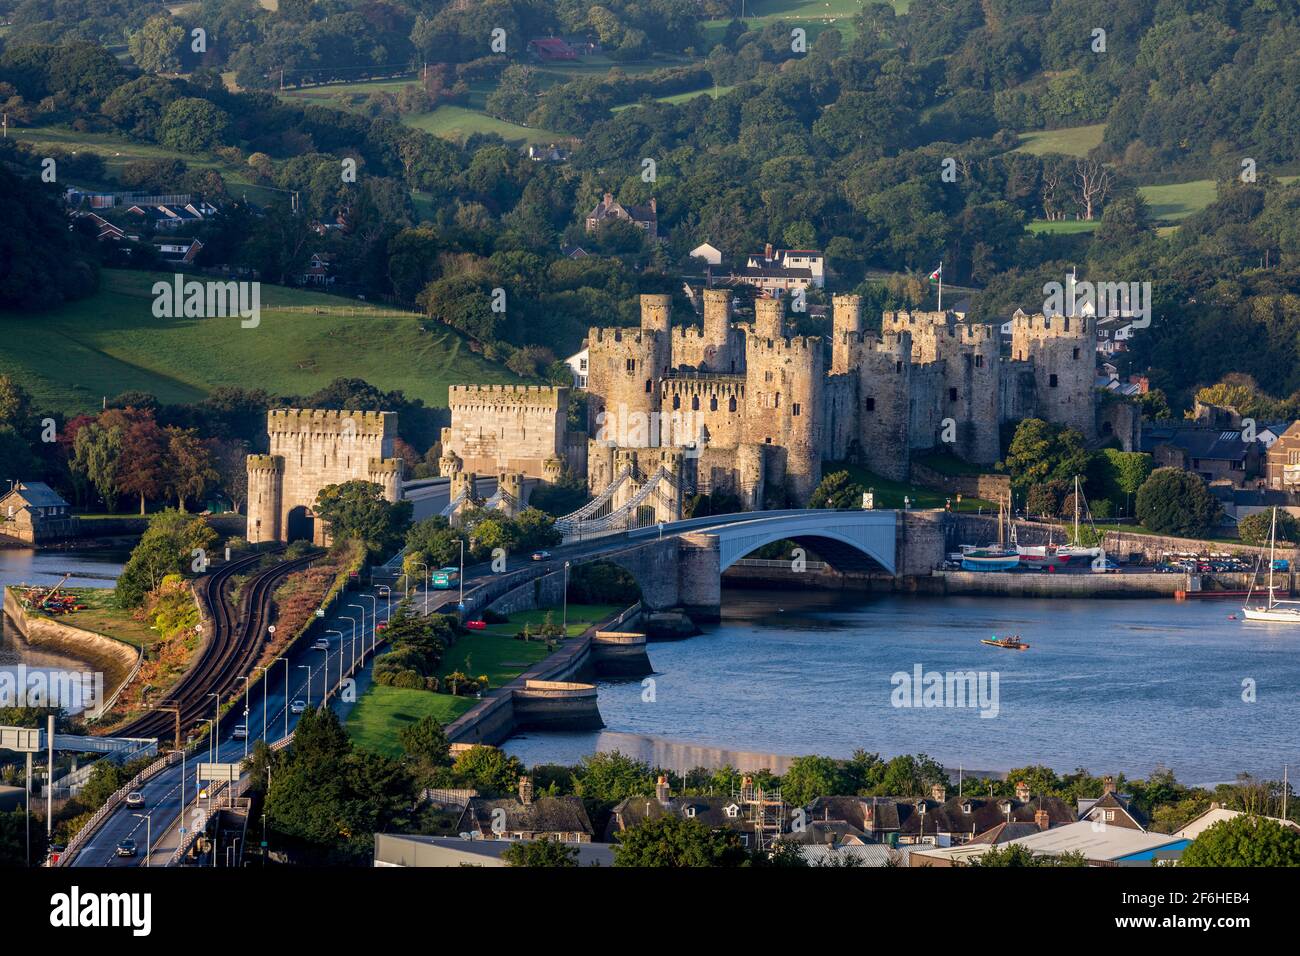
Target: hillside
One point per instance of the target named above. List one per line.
(111, 342)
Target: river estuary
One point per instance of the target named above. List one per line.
(1110, 685)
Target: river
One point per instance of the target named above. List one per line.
(90, 569)
(1108, 685)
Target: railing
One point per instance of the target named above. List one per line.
(775, 563)
(110, 805)
(105, 707)
(344, 310)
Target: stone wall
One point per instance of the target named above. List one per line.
(987, 487)
(518, 428)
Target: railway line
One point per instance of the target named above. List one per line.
(231, 649)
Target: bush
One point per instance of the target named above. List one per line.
(1254, 529)
(1177, 502)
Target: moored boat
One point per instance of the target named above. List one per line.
(1007, 643)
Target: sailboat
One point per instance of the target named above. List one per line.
(1274, 611)
(1050, 555)
(998, 557)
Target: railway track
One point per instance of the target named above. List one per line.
(231, 650)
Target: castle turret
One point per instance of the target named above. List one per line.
(657, 313)
(846, 327)
(884, 372)
(1063, 353)
(265, 490)
(769, 318)
(719, 337)
(784, 387)
(623, 368)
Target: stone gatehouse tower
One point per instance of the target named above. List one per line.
(312, 448)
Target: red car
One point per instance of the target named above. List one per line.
(476, 625)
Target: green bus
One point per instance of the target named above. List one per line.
(444, 579)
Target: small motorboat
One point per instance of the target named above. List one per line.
(1010, 643)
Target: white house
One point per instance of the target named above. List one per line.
(577, 363)
(710, 254)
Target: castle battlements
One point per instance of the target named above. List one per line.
(271, 463)
(796, 344)
(542, 396)
(331, 421)
(628, 334)
(1053, 326)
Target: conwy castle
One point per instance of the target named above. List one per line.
(747, 408)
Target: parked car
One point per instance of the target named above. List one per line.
(240, 732)
(321, 644)
(1281, 564)
(298, 706)
(126, 848)
(476, 625)
(135, 799)
(541, 555)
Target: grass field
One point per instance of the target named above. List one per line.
(717, 92)
(459, 122)
(102, 617)
(890, 494)
(1070, 141)
(118, 150)
(381, 712)
(813, 15)
(111, 342)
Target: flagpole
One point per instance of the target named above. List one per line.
(940, 285)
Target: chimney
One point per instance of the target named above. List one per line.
(1107, 785)
(661, 789)
(1022, 791)
(767, 252)
(525, 790)
(1042, 819)
(939, 793)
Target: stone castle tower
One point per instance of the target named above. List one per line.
(312, 448)
(1060, 351)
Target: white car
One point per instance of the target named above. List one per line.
(298, 706)
(135, 799)
(322, 644)
(240, 732)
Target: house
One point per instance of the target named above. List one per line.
(573, 252)
(548, 154)
(526, 817)
(172, 216)
(1112, 808)
(1282, 466)
(1113, 334)
(1100, 845)
(413, 850)
(577, 363)
(1218, 814)
(863, 855)
(318, 270)
(710, 254)
(32, 511)
(715, 812)
(1213, 453)
(1108, 379)
(775, 271)
(644, 217)
(1240, 503)
(551, 50)
(178, 251)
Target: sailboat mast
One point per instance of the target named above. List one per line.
(1076, 509)
(1272, 550)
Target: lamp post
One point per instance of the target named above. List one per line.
(148, 832)
(419, 564)
(374, 621)
(340, 634)
(286, 695)
(216, 726)
(387, 593)
(353, 622)
(566, 601)
(460, 604)
(266, 688)
(307, 668)
(245, 680)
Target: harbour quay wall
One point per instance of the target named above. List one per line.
(1021, 584)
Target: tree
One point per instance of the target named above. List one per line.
(425, 743)
(166, 547)
(190, 463)
(15, 405)
(1255, 528)
(1177, 502)
(488, 770)
(358, 509)
(678, 841)
(1013, 854)
(611, 776)
(193, 125)
(230, 458)
(1246, 840)
(812, 776)
(155, 47)
(540, 853)
(837, 492)
(97, 452)
(140, 469)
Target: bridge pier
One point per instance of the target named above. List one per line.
(699, 576)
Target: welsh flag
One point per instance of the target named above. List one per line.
(937, 274)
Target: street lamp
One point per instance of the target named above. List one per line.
(354, 653)
(387, 593)
(286, 695)
(419, 564)
(148, 831)
(374, 621)
(461, 578)
(307, 668)
(216, 725)
(566, 601)
(266, 688)
(353, 622)
(245, 680)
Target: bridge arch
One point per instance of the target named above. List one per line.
(850, 541)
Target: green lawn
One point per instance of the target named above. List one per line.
(382, 711)
(717, 92)
(458, 122)
(111, 342)
(890, 494)
(1070, 141)
(813, 15)
(102, 617)
(1064, 227)
(117, 150)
